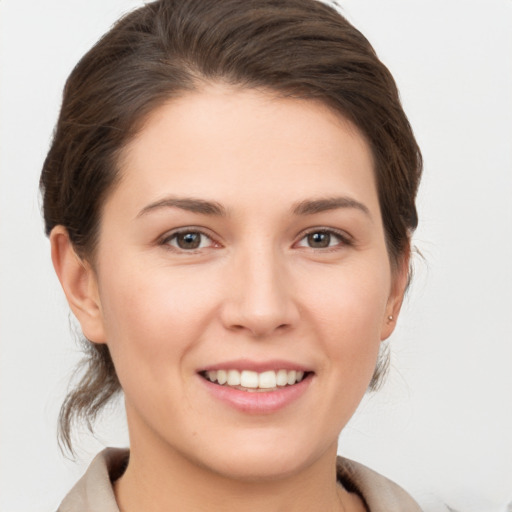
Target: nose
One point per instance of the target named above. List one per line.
(260, 300)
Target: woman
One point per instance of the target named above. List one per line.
(230, 199)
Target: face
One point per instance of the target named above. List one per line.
(243, 281)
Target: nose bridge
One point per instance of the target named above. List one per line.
(262, 300)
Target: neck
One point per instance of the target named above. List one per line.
(159, 478)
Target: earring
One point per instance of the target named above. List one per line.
(390, 318)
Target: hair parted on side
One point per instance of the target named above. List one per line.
(293, 48)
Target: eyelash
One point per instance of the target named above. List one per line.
(166, 239)
(344, 239)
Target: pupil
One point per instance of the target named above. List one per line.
(319, 240)
(189, 240)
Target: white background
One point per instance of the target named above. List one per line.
(442, 425)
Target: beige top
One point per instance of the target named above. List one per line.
(94, 493)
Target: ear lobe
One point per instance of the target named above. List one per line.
(79, 283)
(396, 297)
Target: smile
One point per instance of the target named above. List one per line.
(248, 380)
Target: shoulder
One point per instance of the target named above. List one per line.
(379, 493)
(94, 490)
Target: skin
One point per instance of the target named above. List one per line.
(255, 289)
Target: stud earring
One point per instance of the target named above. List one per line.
(390, 318)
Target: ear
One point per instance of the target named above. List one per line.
(79, 282)
(400, 279)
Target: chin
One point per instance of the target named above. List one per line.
(261, 468)
(267, 459)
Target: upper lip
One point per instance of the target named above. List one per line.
(256, 366)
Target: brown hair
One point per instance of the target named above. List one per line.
(295, 48)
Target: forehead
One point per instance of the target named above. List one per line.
(222, 140)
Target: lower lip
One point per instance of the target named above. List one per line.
(258, 402)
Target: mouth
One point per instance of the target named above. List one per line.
(257, 388)
(252, 381)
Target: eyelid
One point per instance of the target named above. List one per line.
(169, 235)
(346, 239)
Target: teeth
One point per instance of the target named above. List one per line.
(282, 378)
(292, 377)
(253, 380)
(248, 379)
(267, 380)
(233, 378)
(222, 377)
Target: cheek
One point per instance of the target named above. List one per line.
(345, 324)
(151, 326)
(154, 315)
(348, 315)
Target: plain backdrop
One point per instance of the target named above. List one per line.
(442, 424)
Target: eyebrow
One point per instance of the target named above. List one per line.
(186, 203)
(204, 207)
(310, 207)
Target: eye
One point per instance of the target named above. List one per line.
(323, 239)
(188, 240)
